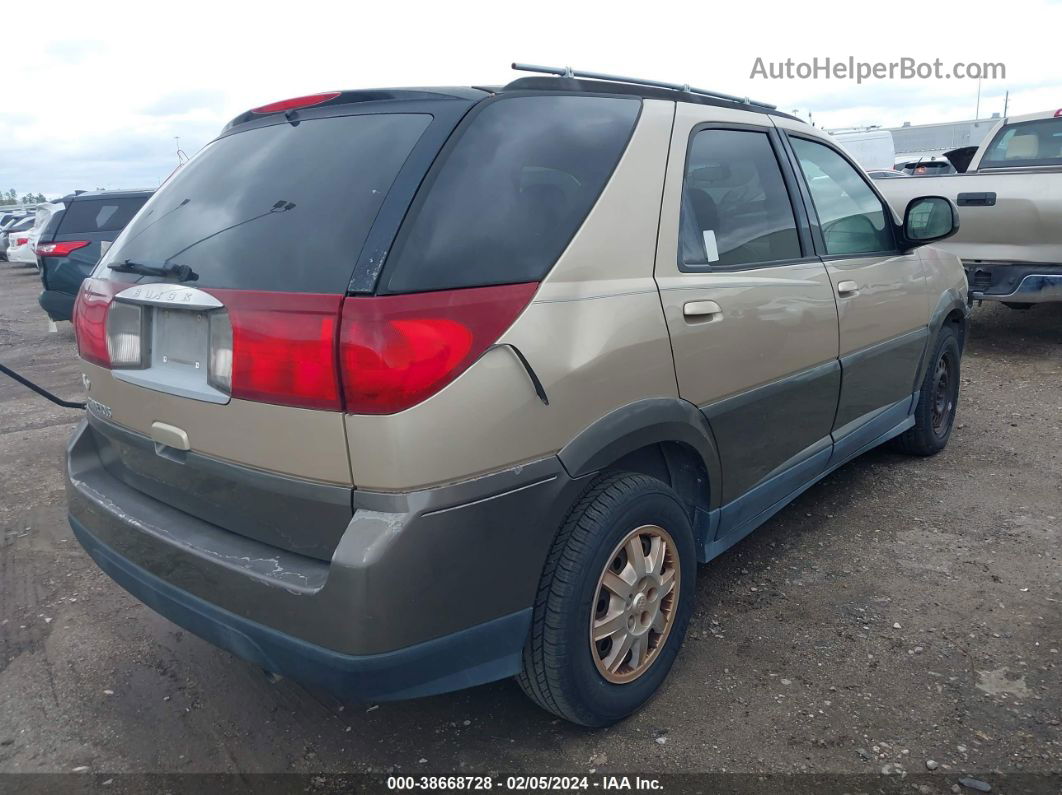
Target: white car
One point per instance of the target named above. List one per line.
(10, 229)
(21, 245)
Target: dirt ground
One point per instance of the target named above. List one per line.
(904, 610)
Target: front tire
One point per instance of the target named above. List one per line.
(937, 399)
(613, 603)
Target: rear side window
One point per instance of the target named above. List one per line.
(52, 227)
(99, 215)
(283, 207)
(507, 198)
(735, 208)
(852, 217)
(1027, 143)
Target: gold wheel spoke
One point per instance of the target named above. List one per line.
(638, 649)
(610, 625)
(617, 585)
(636, 557)
(667, 583)
(659, 623)
(657, 548)
(618, 653)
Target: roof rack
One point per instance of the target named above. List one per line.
(567, 71)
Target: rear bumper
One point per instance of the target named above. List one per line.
(426, 592)
(476, 655)
(21, 256)
(59, 306)
(1014, 282)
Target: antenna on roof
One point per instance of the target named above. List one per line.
(567, 71)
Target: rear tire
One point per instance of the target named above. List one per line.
(937, 399)
(592, 587)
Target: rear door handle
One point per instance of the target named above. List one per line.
(976, 199)
(702, 310)
(847, 288)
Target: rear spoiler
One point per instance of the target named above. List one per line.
(961, 157)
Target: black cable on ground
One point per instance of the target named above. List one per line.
(66, 404)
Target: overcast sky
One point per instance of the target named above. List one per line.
(95, 93)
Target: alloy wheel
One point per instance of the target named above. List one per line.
(635, 605)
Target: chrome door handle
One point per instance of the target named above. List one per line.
(702, 310)
(847, 288)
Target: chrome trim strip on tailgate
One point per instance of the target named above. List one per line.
(172, 295)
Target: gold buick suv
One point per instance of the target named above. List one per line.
(401, 391)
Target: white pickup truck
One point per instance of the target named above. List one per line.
(1009, 195)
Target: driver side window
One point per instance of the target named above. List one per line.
(851, 215)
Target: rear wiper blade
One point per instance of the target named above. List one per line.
(181, 273)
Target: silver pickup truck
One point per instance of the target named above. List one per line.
(1009, 195)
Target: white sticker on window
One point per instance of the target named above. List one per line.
(711, 248)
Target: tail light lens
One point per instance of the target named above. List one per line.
(219, 367)
(371, 355)
(90, 319)
(397, 350)
(60, 249)
(281, 348)
(127, 336)
(21, 241)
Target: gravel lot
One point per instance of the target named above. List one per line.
(901, 611)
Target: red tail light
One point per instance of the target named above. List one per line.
(284, 347)
(393, 351)
(21, 241)
(397, 350)
(297, 102)
(60, 249)
(90, 319)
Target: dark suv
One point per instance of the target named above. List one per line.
(72, 242)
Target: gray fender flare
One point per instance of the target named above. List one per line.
(950, 300)
(641, 424)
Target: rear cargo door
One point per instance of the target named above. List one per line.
(209, 329)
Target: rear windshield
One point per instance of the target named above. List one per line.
(99, 215)
(1027, 143)
(284, 207)
(504, 202)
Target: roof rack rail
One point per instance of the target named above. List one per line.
(567, 71)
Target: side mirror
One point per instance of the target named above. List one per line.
(928, 219)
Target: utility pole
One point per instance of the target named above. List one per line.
(1006, 102)
(977, 113)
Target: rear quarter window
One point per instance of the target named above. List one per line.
(51, 228)
(504, 201)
